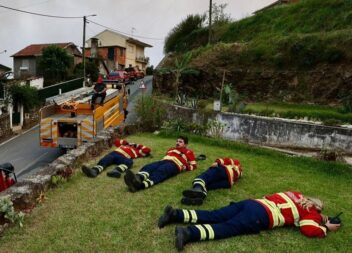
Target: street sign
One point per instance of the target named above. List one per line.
(142, 85)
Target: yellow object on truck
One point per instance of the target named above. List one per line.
(69, 121)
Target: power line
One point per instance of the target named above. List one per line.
(114, 30)
(37, 14)
(30, 5)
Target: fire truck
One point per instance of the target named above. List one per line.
(69, 121)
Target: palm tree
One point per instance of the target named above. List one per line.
(180, 68)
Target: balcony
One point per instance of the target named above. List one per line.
(142, 59)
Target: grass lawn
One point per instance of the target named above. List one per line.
(100, 215)
(314, 112)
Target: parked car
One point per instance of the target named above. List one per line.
(139, 73)
(120, 76)
(131, 73)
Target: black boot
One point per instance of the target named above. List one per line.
(182, 237)
(133, 181)
(168, 216)
(195, 192)
(90, 172)
(114, 173)
(192, 201)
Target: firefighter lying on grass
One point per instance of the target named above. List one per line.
(223, 173)
(122, 156)
(250, 217)
(177, 159)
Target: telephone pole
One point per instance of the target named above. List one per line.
(210, 14)
(84, 47)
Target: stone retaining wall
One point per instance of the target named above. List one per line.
(24, 194)
(272, 131)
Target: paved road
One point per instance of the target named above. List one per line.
(24, 151)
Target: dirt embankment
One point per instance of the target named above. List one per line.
(325, 83)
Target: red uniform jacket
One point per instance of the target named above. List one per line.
(233, 168)
(5, 182)
(131, 151)
(184, 158)
(283, 209)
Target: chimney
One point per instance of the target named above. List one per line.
(94, 48)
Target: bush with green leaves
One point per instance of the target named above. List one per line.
(347, 102)
(9, 213)
(180, 125)
(150, 113)
(24, 94)
(91, 69)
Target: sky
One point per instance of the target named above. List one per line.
(149, 20)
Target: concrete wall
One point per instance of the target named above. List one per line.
(272, 131)
(285, 133)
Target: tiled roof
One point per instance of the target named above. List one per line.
(36, 49)
(3, 67)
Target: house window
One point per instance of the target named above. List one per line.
(121, 51)
(25, 64)
(130, 49)
(111, 53)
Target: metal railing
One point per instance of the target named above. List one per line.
(54, 90)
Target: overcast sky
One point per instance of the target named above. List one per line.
(149, 18)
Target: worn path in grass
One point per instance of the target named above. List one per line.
(100, 215)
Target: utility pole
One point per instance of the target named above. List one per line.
(84, 47)
(222, 88)
(84, 50)
(210, 14)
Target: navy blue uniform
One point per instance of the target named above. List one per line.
(115, 158)
(244, 217)
(157, 172)
(213, 178)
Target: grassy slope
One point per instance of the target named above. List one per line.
(299, 35)
(99, 215)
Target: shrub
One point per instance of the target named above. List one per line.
(8, 211)
(347, 102)
(150, 113)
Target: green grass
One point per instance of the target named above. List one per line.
(99, 215)
(299, 111)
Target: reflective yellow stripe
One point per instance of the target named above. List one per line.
(293, 208)
(179, 153)
(203, 234)
(199, 181)
(174, 159)
(135, 154)
(193, 162)
(210, 231)
(122, 152)
(221, 161)
(230, 171)
(237, 169)
(278, 218)
(185, 215)
(311, 223)
(232, 163)
(194, 216)
(141, 152)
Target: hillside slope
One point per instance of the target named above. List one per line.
(300, 52)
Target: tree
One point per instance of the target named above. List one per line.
(55, 64)
(176, 39)
(91, 69)
(23, 94)
(181, 67)
(218, 14)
